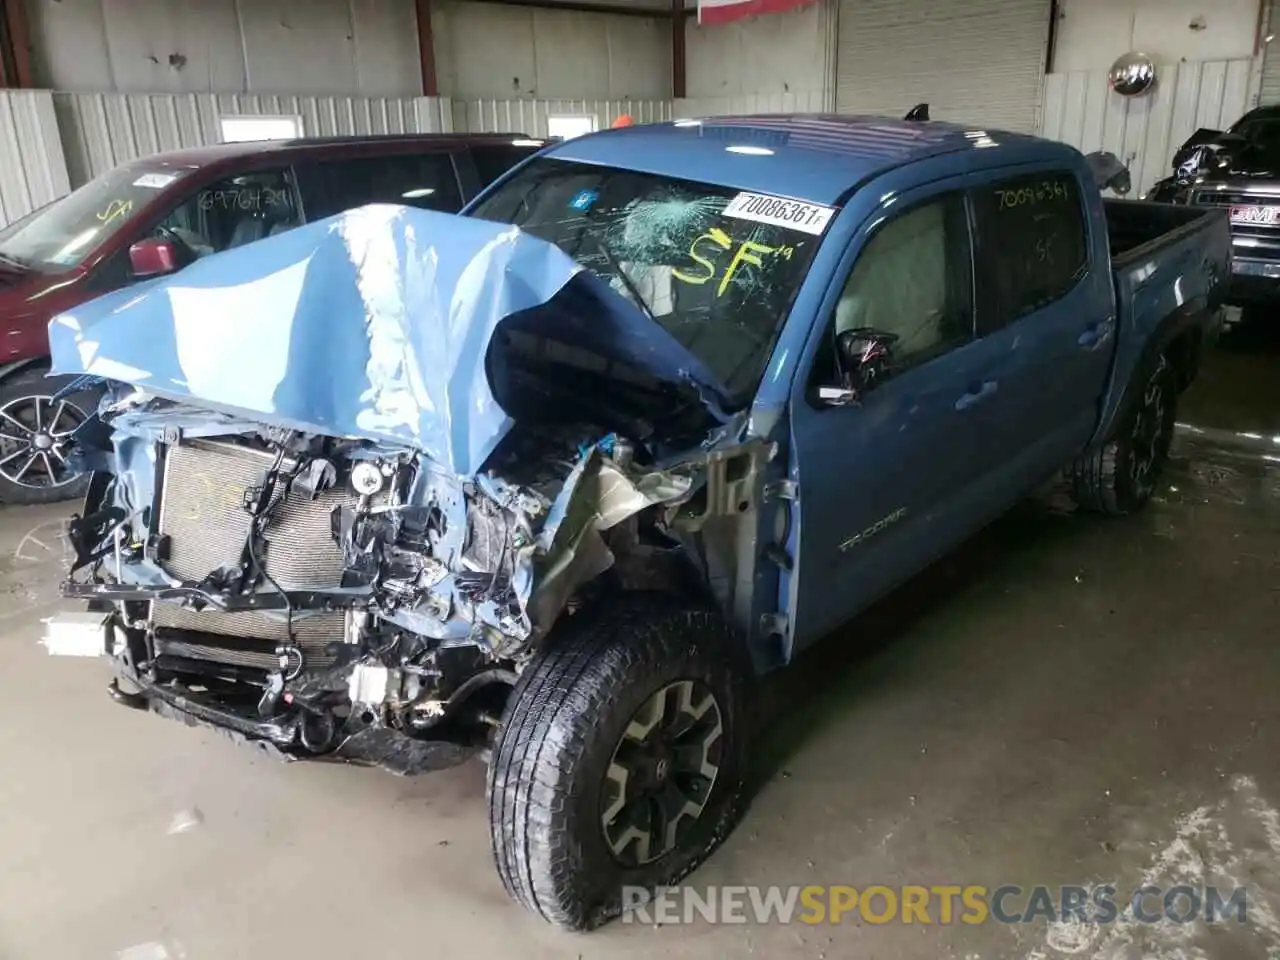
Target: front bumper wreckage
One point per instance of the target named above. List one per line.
(319, 533)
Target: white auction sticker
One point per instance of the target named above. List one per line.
(156, 181)
(796, 214)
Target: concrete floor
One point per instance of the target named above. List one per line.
(1065, 701)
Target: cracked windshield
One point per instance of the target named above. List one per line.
(703, 261)
(61, 235)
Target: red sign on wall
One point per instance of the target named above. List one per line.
(725, 11)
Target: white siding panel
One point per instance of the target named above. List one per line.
(812, 101)
(639, 59)
(980, 61)
(69, 41)
(1082, 110)
(530, 116)
(434, 114)
(1270, 92)
(386, 48)
(1092, 33)
(318, 47)
(102, 130)
(775, 54)
(491, 52)
(33, 170)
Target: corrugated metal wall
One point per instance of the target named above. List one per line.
(486, 51)
(100, 130)
(976, 61)
(1082, 110)
(316, 47)
(812, 101)
(781, 53)
(1090, 34)
(33, 170)
(1270, 90)
(530, 116)
(346, 48)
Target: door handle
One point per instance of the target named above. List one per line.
(1096, 334)
(977, 394)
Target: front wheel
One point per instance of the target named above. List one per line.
(619, 761)
(35, 439)
(1120, 478)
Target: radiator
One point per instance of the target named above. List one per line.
(202, 514)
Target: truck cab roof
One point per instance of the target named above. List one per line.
(814, 157)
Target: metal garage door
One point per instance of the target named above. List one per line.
(1270, 92)
(978, 61)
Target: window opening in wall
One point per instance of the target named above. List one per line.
(244, 129)
(568, 126)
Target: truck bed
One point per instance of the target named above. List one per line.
(1138, 228)
(1170, 265)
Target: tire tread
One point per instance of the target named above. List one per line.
(545, 733)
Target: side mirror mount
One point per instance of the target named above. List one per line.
(837, 397)
(864, 357)
(153, 258)
(1109, 172)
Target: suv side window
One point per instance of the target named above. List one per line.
(494, 159)
(234, 211)
(914, 281)
(425, 180)
(1032, 245)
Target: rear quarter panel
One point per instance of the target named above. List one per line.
(1164, 288)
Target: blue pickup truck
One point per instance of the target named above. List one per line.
(554, 480)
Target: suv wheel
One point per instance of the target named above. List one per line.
(619, 761)
(1120, 478)
(35, 439)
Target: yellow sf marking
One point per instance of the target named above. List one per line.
(716, 236)
(115, 209)
(747, 253)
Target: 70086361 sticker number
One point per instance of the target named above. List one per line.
(796, 214)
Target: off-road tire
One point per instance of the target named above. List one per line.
(1119, 478)
(33, 382)
(565, 719)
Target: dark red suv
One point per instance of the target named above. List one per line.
(156, 215)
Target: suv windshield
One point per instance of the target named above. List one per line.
(62, 234)
(720, 282)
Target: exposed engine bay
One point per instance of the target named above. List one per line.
(342, 597)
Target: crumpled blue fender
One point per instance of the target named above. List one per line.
(373, 324)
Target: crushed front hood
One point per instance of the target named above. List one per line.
(374, 324)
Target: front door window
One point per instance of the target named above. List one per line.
(233, 212)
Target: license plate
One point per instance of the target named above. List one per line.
(1262, 216)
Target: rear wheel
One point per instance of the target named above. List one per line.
(1120, 478)
(619, 761)
(35, 439)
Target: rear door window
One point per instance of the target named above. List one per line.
(424, 180)
(1032, 245)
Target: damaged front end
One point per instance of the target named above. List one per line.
(363, 579)
(336, 597)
